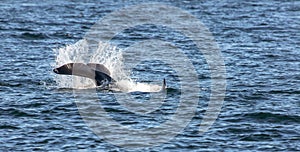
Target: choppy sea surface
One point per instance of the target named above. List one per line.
(259, 42)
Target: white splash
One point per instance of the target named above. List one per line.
(106, 54)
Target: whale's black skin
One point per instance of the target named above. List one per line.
(97, 72)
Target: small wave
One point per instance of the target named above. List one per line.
(257, 137)
(23, 29)
(33, 36)
(290, 91)
(4, 126)
(10, 84)
(273, 117)
(17, 112)
(62, 35)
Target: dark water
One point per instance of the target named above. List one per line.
(258, 40)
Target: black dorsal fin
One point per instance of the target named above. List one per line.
(164, 85)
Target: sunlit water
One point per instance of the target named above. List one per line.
(258, 40)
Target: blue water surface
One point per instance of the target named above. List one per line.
(259, 41)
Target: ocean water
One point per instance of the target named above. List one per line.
(258, 40)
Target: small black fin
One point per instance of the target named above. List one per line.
(164, 85)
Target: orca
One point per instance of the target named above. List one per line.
(97, 72)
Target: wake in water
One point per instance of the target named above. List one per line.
(106, 54)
